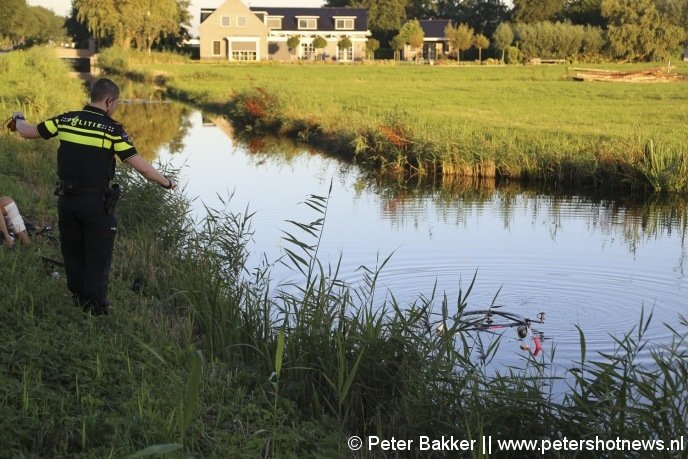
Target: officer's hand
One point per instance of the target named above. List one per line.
(12, 124)
(171, 185)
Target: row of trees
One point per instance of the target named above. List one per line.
(622, 29)
(319, 43)
(127, 23)
(21, 24)
(560, 40)
(139, 23)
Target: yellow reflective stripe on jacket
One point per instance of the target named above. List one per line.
(95, 139)
(85, 139)
(51, 126)
(122, 146)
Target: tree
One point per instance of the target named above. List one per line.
(11, 14)
(50, 27)
(586, 12)
(676, 11)
(503, 37)
(420, 9)
(9, 9)
(126, 21)
(344, 43)
(27, 25)
(460, 38)
(482, 15)
(319, 43)
(530, 11)
(639, 32)
(293, 43)
(77, 30)
(412, 35)
(558, 39)
(480, 42)
(397, 44)
(383, 15)
(371, 46)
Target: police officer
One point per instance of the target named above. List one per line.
(89, 141)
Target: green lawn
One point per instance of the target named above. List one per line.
(520, 122)
(540, 100)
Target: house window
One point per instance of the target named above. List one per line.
(241, 21)
(307, 51)
(224, 20)
(344, 24)
(346, 54)
(244, 56)
(308, 23)
(217, 48)
(274, 23)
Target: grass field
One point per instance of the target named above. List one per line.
(539, 100)
(525, 122)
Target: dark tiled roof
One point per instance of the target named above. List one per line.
(434, 28)
(325, 16)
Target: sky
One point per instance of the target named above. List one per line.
(62, 7)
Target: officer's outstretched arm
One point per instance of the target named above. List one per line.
(147, 170)
(24, 129)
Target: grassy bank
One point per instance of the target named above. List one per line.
(73, 385)
(204, 357)
(515, 122)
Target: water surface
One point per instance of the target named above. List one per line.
(595, 263)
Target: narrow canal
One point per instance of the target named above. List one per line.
(583, 261)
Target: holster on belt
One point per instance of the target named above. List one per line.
(112, 196)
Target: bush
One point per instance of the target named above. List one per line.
(114, 60)
(37, 83)
(558, 40)
(512, 55)
(255, 111)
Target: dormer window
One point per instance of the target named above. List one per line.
(343, 23)
(274, 22)
(224, 20)
(307, 23)
(241, 21)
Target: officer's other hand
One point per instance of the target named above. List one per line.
(171, 185)
(16, 115)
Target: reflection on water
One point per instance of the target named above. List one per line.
(153, 126)
(588, 261)
(632, 221)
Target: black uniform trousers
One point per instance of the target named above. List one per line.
(87, 238)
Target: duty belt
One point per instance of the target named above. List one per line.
(72, 187)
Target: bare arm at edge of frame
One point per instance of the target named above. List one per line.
(145, 168)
